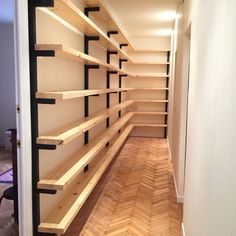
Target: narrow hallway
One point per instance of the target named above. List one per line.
(138, 195)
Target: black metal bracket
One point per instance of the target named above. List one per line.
(109, 33)
(45, 53)
(86, 99)
(87, 10)
(47, 191)
(114, 92)
(123, 45)
(121, 61)
(167, 92)
(87, 39)
(46, 234)
(46, 146)
(109, 53)
(45, 101)
(44, 3)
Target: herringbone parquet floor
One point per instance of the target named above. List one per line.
(136, 197)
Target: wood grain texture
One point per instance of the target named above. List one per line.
(136, 197)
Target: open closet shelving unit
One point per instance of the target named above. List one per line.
(79, 166)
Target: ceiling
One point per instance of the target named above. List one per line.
(144, 18)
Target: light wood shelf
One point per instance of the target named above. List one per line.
(152, 75)
(157, 113)
(68, 53)
(107, 20)
(65, 174)
(63, 214)
(149, 89)
(151, 125)
(67, 134)
(63, 95)
(150, 101)
(69, 12)
(148, 63)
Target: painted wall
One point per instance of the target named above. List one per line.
(210, 188)
(7, 81)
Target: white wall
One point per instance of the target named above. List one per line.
(210, 188)
(7, 81)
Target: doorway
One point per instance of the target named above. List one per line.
(8, 143)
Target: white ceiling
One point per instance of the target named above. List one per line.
(143, 18)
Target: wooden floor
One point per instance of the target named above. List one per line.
(135, 197)
(7, 225)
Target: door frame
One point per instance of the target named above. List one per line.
(23, 117)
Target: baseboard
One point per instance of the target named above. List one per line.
(183, 230)
(180, 198)
(168, 146)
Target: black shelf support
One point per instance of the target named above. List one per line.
(121, 61)
(45, 53)
(34, 110)
(123, 45)
(46, 146)
(44, 3)
(87, 10)
(86, 98)
(167, 92)
(109, 33)
(47, 191)
(45, 101)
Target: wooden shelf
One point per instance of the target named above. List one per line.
(152, 75)
(63, 214)
(150, 101)
(69, 12)
(68, 53)
(67, 134)
(106, 19)
(148, 63)
(150, 113)
(63, 95)
(150, 51)
(151, 125)
(65, 174)
(149, 89)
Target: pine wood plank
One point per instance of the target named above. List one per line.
(69, 53)
(151, 125)
(61, 217)
(150, 113)
(70, 132)
(151, 101)
(69, 12)
(63, 95)
(108, 22)
(67, 172)
(152, 75)
(150, 89)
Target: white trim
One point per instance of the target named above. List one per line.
(168, 146)
(23, 118)
(180, 198)
(183, 230)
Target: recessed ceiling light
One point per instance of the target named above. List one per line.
(164, 32)
(167, 16)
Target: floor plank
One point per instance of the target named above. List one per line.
(136, 196)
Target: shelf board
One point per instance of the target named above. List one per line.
(148, 63)
(67, 134)
(150, 101)
(63, 214)
(150, 89)
(63, 95)
(108, 22)
(152, 75)
(150, 113)
(69, 53)
(66, 173)
(151, 125)
(150, 50)
(69, 12)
